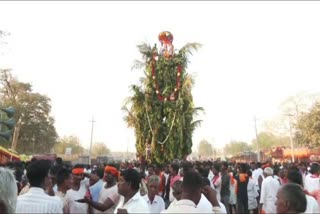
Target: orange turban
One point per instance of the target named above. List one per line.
(78, 171)
(112, 170)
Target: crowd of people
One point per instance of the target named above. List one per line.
(42, 186)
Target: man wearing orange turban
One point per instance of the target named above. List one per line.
(78, 171)
(78, 190)
(112, 170)
(108, 197)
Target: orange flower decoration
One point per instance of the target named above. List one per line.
(166, 37)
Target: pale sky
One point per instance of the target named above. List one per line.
(254, 55)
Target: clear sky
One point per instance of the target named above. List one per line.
(254, 55)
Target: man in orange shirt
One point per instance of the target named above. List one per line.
(162, 179)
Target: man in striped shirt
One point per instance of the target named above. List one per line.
(36, 200)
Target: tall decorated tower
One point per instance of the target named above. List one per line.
(161, 110)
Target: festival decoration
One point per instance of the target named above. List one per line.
(161, 108)
(167, 49)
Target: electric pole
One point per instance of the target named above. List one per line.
(90, 150)
(291, 138)
(257, 138)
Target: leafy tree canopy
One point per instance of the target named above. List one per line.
(34, 131)
(69, 142)
(308, 127)
(236, 147)
(205, 149)
(99, 149)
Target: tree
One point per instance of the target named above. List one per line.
(308, 127)
(290, 110)
(3, 42)
(34, 131)
(205, 149)
(161, 110)
(268, 140)
(299, 103)
(99, 149)
(236, 147)
(69, 142)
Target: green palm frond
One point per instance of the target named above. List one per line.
(188, 82)
(131, 120)
(197, 110)
(143, 81)
(144, 49)
(137, 64)
(195, 124)
(126, 101)
(190, 47)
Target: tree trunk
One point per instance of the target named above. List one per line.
(15, 136)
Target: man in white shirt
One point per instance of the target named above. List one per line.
(312, 181)
(205, 204)
(294, 176)
(36, 200)
(216, 180)
(257, 175)
(269, 189)
(191, 194)
(78, 191)
(108, 197)
(252, 194)
(290, 199)
(304, 171)
(64, 183)
(176, 191)
(155, 202)
(8, 189)
(128, 187)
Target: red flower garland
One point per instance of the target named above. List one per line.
(172, 97)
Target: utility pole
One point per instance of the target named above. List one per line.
(291, 139)
(257, 138)
(90, 150)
